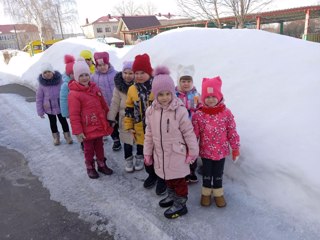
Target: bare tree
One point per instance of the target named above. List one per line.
(214, 9)
(47, 15)
(128, 7)
(148, 8)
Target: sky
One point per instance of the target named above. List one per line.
(271, 84)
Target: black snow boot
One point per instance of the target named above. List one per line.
(178, 208)
(168, 201)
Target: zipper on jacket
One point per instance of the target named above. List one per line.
(164, 174)
(168, 122)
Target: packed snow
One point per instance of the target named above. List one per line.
(270, 83)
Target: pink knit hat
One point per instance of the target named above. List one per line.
(101, 57)
(80, 67)
(69, 61)
(162, 81)
(211, 87)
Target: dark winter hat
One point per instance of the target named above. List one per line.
(211, 87)
(162, 81)
(142, 63)
(69, 61)
(101, 57)
(80, 67)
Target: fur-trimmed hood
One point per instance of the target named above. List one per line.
(120, 84)
(52, 82)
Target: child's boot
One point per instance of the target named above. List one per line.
(205, 197)
(178, 207)
(129, 164)
(168, 201)
(103, 168)
(139, 163)
(56, 138)
(91, 171)
(218, 197)
(67, 137)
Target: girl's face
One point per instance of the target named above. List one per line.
(164, 98)
(47, 75)
(141, 76)
(89, 61)
(186, 85)
(102, 67)
(127, 75)
(84, 79)
(211, 101)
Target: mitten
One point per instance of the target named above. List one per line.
(235, 155)
(148, 160)
(190, 159)
(80, 137)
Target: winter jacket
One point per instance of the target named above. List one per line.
(216, 129)
(105, 81)
(190, 99)
(64, 91)
(88, 111)
(135, 110)
(118, 105)
(170, 138)
(48, 93)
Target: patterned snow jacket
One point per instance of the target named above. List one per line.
(139, 98)
(190, 99)
(169, 138)
(88, 111)
(48, 93)
(105, 81)
(216, 129)
(118, 105)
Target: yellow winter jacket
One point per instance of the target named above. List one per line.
(133, 105)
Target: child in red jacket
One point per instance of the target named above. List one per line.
(215, 127)
(88, 117)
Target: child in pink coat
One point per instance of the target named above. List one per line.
(88, 116)
(215, 127)
(170, 142)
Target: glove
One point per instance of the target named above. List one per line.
(235, 155)
(148, 160)
(81, 137)
(190, 159)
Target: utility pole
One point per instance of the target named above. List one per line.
(59, 21)
(16, 35)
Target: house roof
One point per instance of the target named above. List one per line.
(107, 18)
(11, 28)
(136, 22)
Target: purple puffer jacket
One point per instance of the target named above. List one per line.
(48, 93)
(105, 82)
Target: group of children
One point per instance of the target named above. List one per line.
(169, 126)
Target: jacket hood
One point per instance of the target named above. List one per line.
(56, 79)
(120, 84)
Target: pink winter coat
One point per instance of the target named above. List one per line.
(169, 138)
(88, 110)
(216, 129)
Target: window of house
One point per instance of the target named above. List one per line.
(107, 29)
(99, 30)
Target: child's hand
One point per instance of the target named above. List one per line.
(148, 160)
(235, 155)
(190, 159)
(81, 137)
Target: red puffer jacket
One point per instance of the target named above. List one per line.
(88, 111)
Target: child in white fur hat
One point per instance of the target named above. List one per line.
(188, 94)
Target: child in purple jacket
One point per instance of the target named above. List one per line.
(104, 78)
(47, 101)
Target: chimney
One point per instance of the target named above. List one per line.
(122, 14)
(169, 15)
(87, 21)
(159, 14)
(109, 15)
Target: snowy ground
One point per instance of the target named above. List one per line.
(270, 83)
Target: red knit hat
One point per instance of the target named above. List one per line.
(142, 63)
(69, 61)
(101, 57)
(211, 87)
